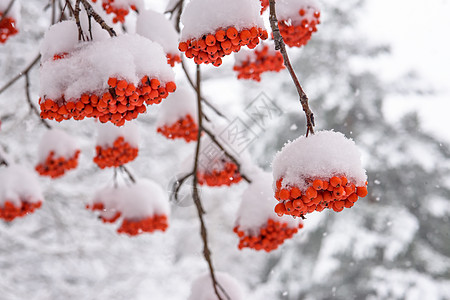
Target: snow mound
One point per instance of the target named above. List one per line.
(157, 28)
(58, 142)
(257, 206)
(319, 156)
(137, 201)
(177, 105)
(289, 9)
(109, 133)
(91, 64)
(18, 184)
(201, 17)
(202, 287)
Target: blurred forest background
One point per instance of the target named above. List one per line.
(393, 244)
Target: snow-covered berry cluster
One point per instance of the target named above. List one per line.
(297, 21)
(143, 207)
(8, 22)
(317, 172)
(103, 79)
(223, 27)
(16, 198)
(185, 128)
(251, 64)
(225, 172)
(58, 153)
(119, 154)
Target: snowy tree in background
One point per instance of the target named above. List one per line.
(393, 244)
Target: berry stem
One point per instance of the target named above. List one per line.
(196, 196)
(280, 46)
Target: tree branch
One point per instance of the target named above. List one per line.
(279, 45)
(22, 73)
(178, 184)
(196, 196)
(128, 172)
(32, 107)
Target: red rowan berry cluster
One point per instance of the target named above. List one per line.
(335, 193)
(150, 224)
(119, 154)
(7, 28)
(172, 59)
(264, 5)
(269, 238)
(261, 61)
(122, 102)
(120, 12)
(227, 176)
(56, 166)
(185, 128)
(296, 33)
(210, 48)
(107, 216)
(9, 211)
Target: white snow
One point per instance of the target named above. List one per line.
(13, 12)
(137, 201)
(202, 288)
(245, 55)
(19, 184)
(108, 133)
(177, 105)
(321, 155)
(257, 205)
(201, 17)
(157, 28)
(289, 9)
(58, 141)
(91, 64)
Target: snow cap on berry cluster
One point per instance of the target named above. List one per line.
(58, 142)
(289, 9)
(108, 133)
(14, 11)
(91, 64)
(257, 206)
(138, 201)
(157, 28)
(19, 184)
(318, 156)
(177, 105)
(201, 17)
(202, 287)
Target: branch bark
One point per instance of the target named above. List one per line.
(280, 45)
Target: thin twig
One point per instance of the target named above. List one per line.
(91, 12)
(77, 20)
(8, 8)
(279, 45)
(128, 172)
(22, 73)
(177, 186)
(189, 78)
(233, 159)
(30, 103)
(196, 196)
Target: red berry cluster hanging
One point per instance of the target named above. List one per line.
(20, 193)
(70, 90)
(210, 48)
(58, 154)
(7, 28)
(226, 174)
(177, 118)
(297, 21)
(317, 172)
(335, 193)
(119, 8)
(119, 154)
(172, 59)
(268, 238)
(55, 167)
(250, 65)
(143, 207)
(185, 128)
(264, 5)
